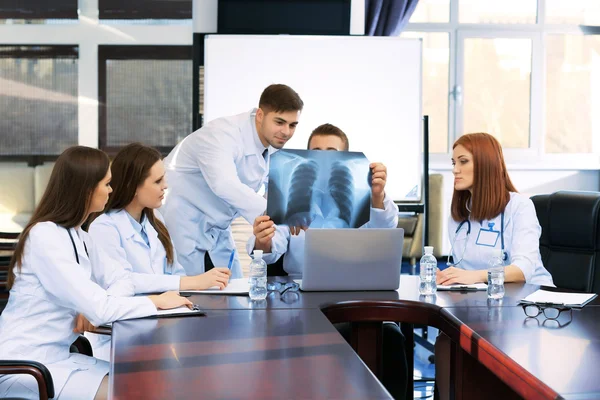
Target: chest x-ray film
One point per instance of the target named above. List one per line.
(319, 189)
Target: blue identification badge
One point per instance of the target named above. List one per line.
(488, 237)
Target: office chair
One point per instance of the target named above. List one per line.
(570, 241)
(276, 269)
(39, 370)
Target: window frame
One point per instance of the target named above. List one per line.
(535, 156)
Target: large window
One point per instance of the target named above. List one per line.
(38, 99)
(145, 95)
(521, 70)
(99, 73)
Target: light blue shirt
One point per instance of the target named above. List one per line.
(140, 228)
(137, 248)
(293, 245)
(214, 176)
(521, 241)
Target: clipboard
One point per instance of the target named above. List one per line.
(181, 311)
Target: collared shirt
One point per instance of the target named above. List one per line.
(117, 234)
(139, 228)
(521, 241)
(293, 245)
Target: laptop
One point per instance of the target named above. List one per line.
(352, 259)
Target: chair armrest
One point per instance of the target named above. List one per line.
(82, 346)
(33, 368)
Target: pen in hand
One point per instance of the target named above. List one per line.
(231, 259)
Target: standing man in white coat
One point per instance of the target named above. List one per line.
(216, 174)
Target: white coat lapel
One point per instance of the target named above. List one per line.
(126, 229)
(157, 265)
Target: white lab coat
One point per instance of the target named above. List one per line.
(293, 245)
(214, 175)
(521, 241)
(51, 289)
(114, 233)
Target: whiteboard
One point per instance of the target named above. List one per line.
(370, 87)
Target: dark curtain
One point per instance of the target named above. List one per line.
(387, 17)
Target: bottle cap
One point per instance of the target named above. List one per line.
(258, 254)
(428, 249)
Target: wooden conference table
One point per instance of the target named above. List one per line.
(286, 347)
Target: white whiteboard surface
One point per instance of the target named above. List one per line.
(370, 87)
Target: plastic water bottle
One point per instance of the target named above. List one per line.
(258, 277)
(428, 267)
(495, 288)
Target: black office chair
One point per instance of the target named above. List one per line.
(276, 269)
(8, 241)
(39, 370)
(570, 241)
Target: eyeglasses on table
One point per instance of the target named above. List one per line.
(283, 287)
(549, 310)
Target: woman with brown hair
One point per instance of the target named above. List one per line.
(132, 233)
(488, 216)
(131, 230)
(59, 279)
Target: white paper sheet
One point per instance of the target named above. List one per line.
(459, 287)
(568, 299)
(235, 286)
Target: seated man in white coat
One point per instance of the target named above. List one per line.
(216, 174)
(275, 241)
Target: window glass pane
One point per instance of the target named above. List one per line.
(572, 94)
(149, 101)
(497, 12)
(34, 9)
(431, 11)
(145, 9)
(585, 12)
(497, 86)
(38, 99)
(436, 59)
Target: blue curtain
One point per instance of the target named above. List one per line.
(387, 17)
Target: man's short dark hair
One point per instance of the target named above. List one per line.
(329, 130)
(280, 98)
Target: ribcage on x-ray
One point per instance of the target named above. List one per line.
(341, 188)
(301, 188)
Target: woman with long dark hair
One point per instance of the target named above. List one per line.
(132, 233)
(59, 280)
(131, 230)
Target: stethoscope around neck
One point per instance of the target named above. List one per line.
(468, 225)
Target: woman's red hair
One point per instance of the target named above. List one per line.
(491, 183)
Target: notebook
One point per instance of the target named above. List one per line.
(560, 298)
(182, 311)
(462, 288)
(239, 286)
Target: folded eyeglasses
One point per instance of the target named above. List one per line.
(550, 310)
(283, 287)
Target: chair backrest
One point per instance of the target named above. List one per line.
(570, 241)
